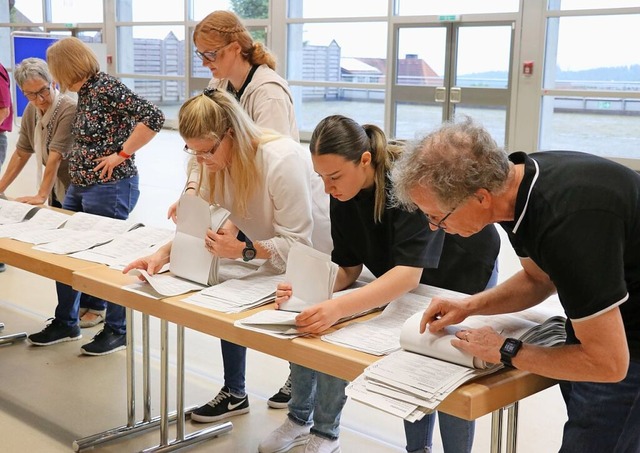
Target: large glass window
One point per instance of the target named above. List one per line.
(336, 8)
(438, 7)
(76, 11)
(591, 85)
(149, 11)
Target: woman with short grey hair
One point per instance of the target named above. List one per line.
(45, 131)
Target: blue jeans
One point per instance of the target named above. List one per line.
(603, 417)
(4, 143)
(112, 199)
(234, 360)
(457, 434)
(319, 397)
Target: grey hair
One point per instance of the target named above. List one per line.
(32, 68)
(453, 162)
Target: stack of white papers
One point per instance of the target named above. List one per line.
(428, 368)
(127, 247)
(239, 294)
(276, 323)
(43, 219)
(381, 335)
(15, 212)
(81, 231)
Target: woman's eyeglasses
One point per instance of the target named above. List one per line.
(210, 55)
(204, 155)
(42, 93)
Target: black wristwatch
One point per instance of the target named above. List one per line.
(249, 251)
(508, 351)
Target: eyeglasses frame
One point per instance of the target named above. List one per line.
(42, 93)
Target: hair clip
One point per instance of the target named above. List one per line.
(208, 92)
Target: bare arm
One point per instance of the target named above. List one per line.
(4, 113)
(601, 356)
(48, 179)
(17, 162)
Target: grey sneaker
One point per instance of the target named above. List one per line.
(281, 399)
(319, 444)
(55, 332)
(287, 436)
(224, 405)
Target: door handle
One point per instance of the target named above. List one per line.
(456, 95)
(441, 94)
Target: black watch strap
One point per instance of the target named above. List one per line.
(249, 251)
(508, 351)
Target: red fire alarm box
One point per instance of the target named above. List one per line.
(527, 68)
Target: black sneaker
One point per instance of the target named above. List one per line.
(3, 267)
(224, 405)
(281, 399)
(55, 332)
(105, 342)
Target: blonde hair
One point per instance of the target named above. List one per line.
(211, 115)
(226, 27)
(343, 136)
(70, 60)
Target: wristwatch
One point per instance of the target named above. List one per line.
(508, 351)
(249, 251)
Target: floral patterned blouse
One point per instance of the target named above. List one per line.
(106, 115)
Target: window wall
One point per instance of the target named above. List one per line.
(581, 91)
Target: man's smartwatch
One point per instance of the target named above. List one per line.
(508, 351)
(249, 251)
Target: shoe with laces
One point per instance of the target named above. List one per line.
(105, 342)
(283, 439)
(281, 399)
(55, 332)
(224, 405)
(319, 444)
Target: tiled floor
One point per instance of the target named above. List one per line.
(51, 396)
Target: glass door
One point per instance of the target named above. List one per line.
(444, 69)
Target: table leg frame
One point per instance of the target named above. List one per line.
(512, 429)
(165, 417)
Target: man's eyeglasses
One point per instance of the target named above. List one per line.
(210, 55)
(42, 93)
(440, 224)
(204, 155)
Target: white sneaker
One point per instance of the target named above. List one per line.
(283, 439)
(319, 444)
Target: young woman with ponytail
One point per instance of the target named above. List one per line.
(400, 249)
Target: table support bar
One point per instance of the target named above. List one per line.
(198, 436)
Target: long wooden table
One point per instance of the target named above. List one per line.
(491, 394)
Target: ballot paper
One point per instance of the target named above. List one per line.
(189, 257)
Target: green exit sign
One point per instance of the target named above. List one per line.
(449, 18)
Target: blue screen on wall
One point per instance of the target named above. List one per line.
(25, 47)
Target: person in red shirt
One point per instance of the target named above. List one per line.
(6, 118)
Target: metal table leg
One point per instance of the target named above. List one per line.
(511, 432)
(11, 338)
(165, 416)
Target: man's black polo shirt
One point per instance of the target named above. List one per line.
(577, 217)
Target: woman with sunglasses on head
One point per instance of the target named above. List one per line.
(45, 130)
(246, 69)
(265, 180)
(402, 249)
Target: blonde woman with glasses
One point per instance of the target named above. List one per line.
(266, 181)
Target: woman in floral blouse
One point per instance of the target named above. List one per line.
(111, 123)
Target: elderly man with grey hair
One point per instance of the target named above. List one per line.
(574, 221)
(45, 131)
